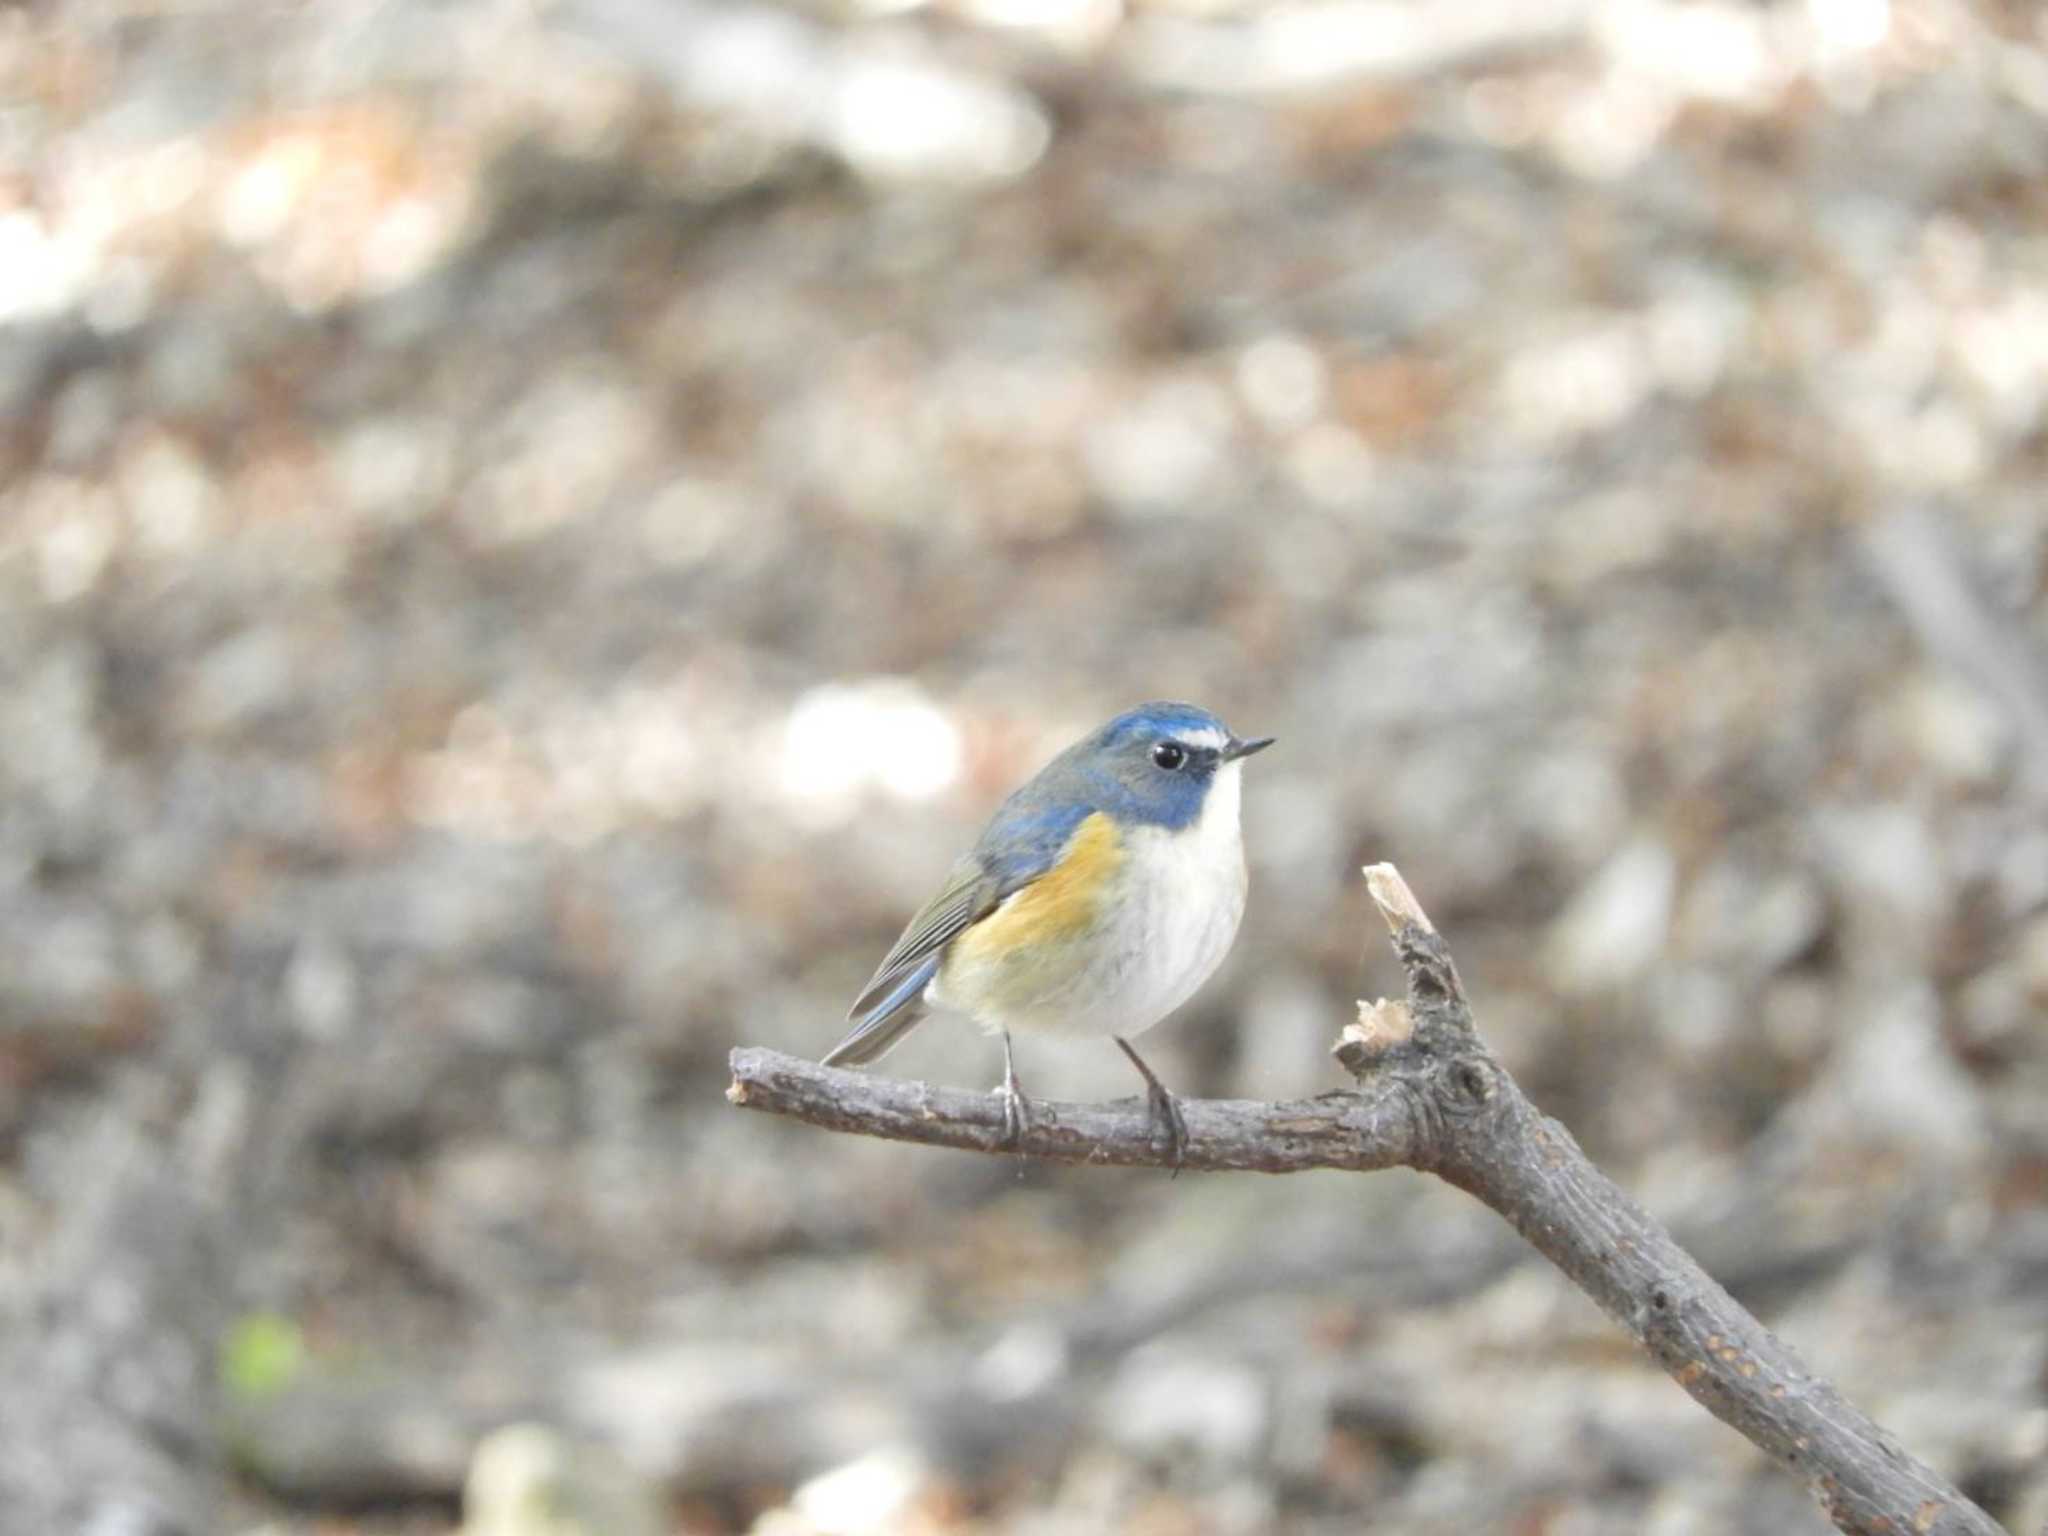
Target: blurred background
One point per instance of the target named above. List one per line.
(531, 534)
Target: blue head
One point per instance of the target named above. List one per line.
(1151, 766)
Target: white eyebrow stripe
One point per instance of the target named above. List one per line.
(1208, 736)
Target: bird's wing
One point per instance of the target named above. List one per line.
(970, 892)
(883, 1010)
(1021, 843)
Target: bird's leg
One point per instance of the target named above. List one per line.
(1016, 1108)
(1165, 1107)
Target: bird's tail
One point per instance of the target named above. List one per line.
(877, 1031)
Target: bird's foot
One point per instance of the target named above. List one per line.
(1016, 1108)
(1016, 1113)
(1163, 1106)
(1165, 1110)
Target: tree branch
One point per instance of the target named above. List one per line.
(1338, 1130)
(1431, 1095)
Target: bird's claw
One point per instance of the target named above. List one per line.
(1165, 1111)
(1164, 1107)
(1016, 1108)
(1016, 1114)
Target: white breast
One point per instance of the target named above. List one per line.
(1180, 898)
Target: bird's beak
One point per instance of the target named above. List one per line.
(1238, 747)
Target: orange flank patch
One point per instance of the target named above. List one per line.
(1056, 906)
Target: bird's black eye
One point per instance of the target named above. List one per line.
(1169, 755)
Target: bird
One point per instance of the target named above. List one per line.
(1099, 897)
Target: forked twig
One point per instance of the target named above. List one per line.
(1431, 1095)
